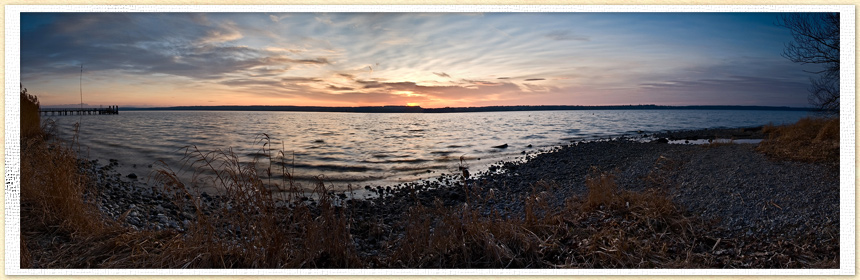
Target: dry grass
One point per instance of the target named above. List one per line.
(30, 119)
(808, 140)
(52, 188)
(601, 189)
(248, 230)
(606, 229)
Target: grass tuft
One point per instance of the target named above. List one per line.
(601, 189)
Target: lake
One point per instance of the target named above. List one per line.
(373, 149)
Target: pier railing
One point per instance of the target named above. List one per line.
(110, 110)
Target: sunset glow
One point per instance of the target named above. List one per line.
(431, 59)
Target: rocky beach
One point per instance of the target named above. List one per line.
(752, 205)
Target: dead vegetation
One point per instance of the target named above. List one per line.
(53, 199)
(808, 140)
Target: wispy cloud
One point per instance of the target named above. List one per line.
(337, 88)
(565, 35)
(378, 58)
(324, 19)
(225, 32)
(442, 74)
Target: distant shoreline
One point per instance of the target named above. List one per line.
(418, 109)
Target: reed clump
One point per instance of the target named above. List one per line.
(53, 189)
(601, 189)
(809, 140)
(30, 120)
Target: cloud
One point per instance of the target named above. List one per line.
(324, 19)
(275, 18)
(370, 84)
(137, 44)
(564, 35)
(538, 88)
(744, 90)
(337, 88)
(535, 79)
(224, 33)
(246, 82)
(731, 83)
(397, 41)
(401, 85)
(300, 80)
(278, 49)
(479, 92)
(503, 78)
(442, 74)
(475, 90)
(267, 71)
(319, 60)
(481, 83)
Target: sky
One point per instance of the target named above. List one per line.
(428, 59)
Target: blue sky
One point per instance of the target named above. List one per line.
(427, 59)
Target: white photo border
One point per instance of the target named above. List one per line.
(847, 133)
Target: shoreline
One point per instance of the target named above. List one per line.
(750, 201)
(376, 163)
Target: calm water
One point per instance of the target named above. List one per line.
(374, 149)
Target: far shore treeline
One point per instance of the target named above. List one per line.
(418, 109)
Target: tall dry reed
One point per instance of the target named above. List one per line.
(53, 187)
(30, 119)
(810, 140)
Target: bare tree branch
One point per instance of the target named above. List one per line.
(816, 41)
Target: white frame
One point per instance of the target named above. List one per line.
(847, 141)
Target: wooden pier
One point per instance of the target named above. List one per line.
(110, 110)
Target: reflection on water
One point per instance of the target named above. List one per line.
(375, 149)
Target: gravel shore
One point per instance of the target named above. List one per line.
(742, 192)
